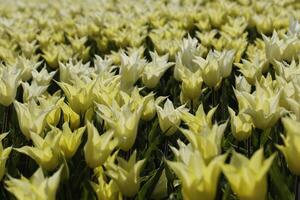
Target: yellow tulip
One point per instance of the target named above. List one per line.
(211, 71)
(241, 125)
(192, 85)
(262, 105)
(10, 79)
(207, 141)
(98, 147)
(154, 70)
(4, 153)
(247, 177)
(46, 151)
(31, 117)
(291, 149)
(70, 141)
(149, 110)
(252, 71)
(27, 66)
(80, 96)
(131, 69)
(104, 190)
(126, 174)
(169, 118)
(281, 49)
(42, 77)
(106, 90)
(198, 179)
(33, 90)
(37, 187)
(55, 100)
(198, 121)
(70, 116)
(71, 71)
(123, 121)
(287, 71)
(103, 67)
(241, 84)
(185, 57)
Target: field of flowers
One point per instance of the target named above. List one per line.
(141, 99)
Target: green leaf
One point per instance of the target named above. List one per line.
(149, 186)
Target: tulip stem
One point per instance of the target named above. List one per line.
(6, 116)
(214, 96)
(249, 147)
(297, 191)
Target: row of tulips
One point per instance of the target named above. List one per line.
(149, 100)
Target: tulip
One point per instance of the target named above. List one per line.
(252, 71)
(281, 49)
(37, 187)
(27, 66)
(169, 117)
(106, 91)
(241, 84)
(32, 91)
(207, 141)
(123, 121)
(42, 77)
(198, 179)
(192, 85)
(291, 149)
(247, 177)
(131, 69)
(154, 70)
(262, 106)
(80, 96)
(185, 57)
(126, 174)
(225, 62)
(98, 147)
(70, 116)
(207, 38)
(287, 71)
(46, 151)
(31, 117)
(71, 71)
(211, 72)
(149, 110)
(54, 101)
(10, 79)
(70, 141)
(102, 66)
(198, 121)
(104, 190)
(241, 125)
(4, 153)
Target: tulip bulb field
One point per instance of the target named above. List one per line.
(141, 99)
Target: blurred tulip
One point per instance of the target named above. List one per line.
(46, 151)
(10, 79)
(241, 125)
(126, 174)
(198, 178)
(37, 187)
(98, 147)
(31, 117)
(4, 154)
(154, 70)
(169, 118)
(291, 149)
(248, 177)
(70, 140)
